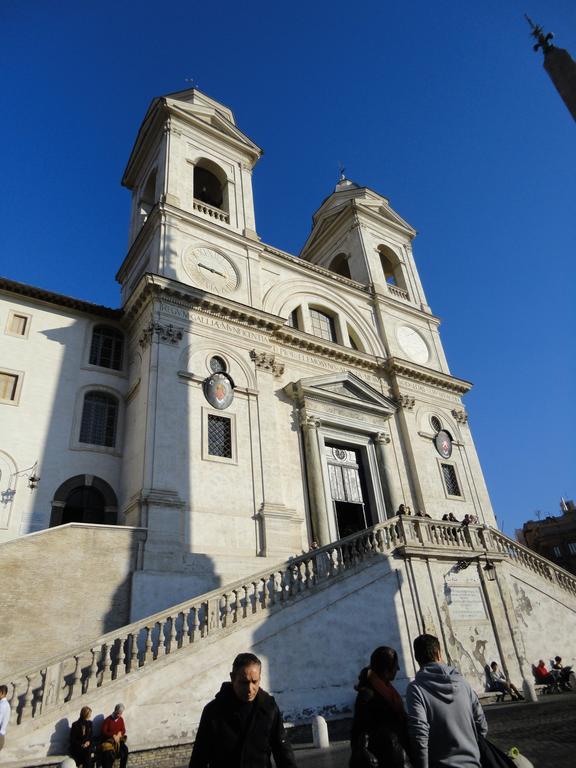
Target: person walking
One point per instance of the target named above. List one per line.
(242, 726)
(444, 714)
(379, 734)
(4, 714)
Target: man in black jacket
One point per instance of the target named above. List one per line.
(242, 726)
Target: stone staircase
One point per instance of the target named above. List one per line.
(114, 656)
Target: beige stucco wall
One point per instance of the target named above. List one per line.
(63, 587)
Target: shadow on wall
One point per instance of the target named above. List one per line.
(312, 663)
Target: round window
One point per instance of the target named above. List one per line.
(436, 423)
(217, 364)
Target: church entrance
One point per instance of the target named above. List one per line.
(348, 489)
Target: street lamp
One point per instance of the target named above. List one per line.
(489, 568)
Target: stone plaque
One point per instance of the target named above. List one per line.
(466, 603)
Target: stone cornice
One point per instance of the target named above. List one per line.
(314, 344)
(47, 297)
(155, 287)
(327, 273)
(408, 370)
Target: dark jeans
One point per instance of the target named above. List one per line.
(83, 756)
(107, 758)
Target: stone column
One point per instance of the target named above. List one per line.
(316, 493)
(381, 440)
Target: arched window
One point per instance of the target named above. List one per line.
(339, 264)
(293, 319)
(210, 185)
(148, 197)
(391, 267)
(106, 349)
(322, 324)
(99, 419)
(354, 340)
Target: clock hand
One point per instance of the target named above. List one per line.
(210, 269)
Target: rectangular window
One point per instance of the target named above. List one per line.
(556, 551)
(572, 547)
(450, 480)
(219, 436)
(17, 324)
(8, 386)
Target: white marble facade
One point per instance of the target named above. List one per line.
(334, 359)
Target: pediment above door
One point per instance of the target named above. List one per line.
(341, 399)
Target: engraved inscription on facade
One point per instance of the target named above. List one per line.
(466, 603)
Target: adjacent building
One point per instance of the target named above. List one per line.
(553, 537)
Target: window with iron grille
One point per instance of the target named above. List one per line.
(322, 325)
(99, 419)
(219, 436)
(572, 547)
(556, 551)
(451, 480)
(106, 349)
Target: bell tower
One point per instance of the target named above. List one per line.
(190, 174)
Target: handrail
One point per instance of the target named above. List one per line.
(116, 654)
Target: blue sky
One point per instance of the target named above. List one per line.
(443, 107)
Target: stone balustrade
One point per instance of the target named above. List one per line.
(395, 290)
(210, 211)
(119, 653)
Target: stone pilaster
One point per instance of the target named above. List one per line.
(316, 493)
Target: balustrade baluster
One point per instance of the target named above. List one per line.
(116, 653)
(26, 712)
(131, 653)
(92, 675)
(74, 689)
(148, 654)
(183, 633)
(272, 589)
(225, 609)
(105, 674)
(191, 622)
(172, 644)
(256, 601)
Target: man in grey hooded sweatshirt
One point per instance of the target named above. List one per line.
(444, 714)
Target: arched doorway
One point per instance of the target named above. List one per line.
(84, 499)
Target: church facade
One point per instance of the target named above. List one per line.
(244, 403)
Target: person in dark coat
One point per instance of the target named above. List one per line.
(242, 726)
(81, 741)
(379, 735)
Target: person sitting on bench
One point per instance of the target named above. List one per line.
(564, 676)
(497, 681)
(543, 676)
(113, 743)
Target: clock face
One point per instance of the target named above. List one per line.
(210, 269)
(413, 344)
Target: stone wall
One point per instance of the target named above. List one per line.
(64, 587)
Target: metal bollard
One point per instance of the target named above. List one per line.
(320, 733)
